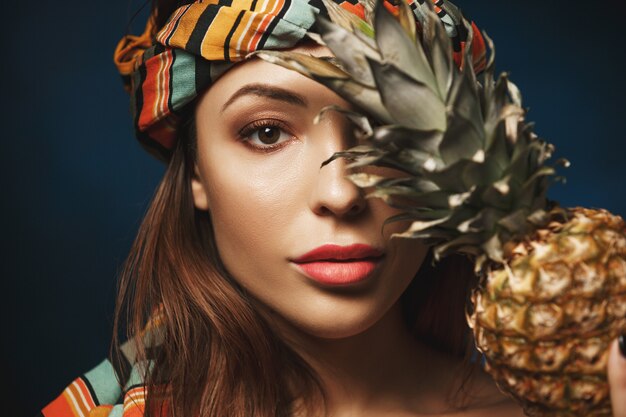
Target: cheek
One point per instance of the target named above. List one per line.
(252, 208)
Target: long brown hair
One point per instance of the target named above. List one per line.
(217, 356)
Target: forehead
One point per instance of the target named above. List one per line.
(255, 71)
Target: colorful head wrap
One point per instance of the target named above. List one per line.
(167, 71)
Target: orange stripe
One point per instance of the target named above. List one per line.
(254, 41)
(59, 407)
(249, 34)
(356, 9)
(149, 92)
(76, 404)
(276, 4)
(479, 50)
(134, 402)
(240, 32)
(88, 398)
(164, 90)
(391, 8)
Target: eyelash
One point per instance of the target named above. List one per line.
(245, 133)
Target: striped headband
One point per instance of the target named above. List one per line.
(166, 71)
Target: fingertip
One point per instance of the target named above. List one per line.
(617, 359)
(617, 377)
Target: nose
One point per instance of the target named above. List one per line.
(336, 195)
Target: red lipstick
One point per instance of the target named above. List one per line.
(339, 265)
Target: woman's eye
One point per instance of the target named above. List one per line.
(269, 135)
(265, 134)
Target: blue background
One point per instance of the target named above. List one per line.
(75, 183)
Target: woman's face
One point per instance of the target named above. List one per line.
(301, 239)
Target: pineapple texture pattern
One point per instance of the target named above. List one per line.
(546, 319)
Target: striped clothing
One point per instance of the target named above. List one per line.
(98, 393)
(167, 70)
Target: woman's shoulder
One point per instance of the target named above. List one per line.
(110, 390)
(99, 393)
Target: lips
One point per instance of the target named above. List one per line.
(339, 265)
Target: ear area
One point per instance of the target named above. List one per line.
(200, 196)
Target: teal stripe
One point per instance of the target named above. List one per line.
(183, 79)
(286, 34)
(301, 14)
(104, 382)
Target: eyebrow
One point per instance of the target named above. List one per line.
(268, 91)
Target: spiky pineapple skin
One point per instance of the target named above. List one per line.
(545, 319)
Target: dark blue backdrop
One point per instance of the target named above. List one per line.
(75, 183)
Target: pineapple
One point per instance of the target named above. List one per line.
(545, 317)
(552, 289)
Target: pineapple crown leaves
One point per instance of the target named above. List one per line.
(475, 173)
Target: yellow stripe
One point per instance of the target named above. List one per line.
(242, 4)
(215, 37)
(70, 397)
(269, 6)
(187, 24)
(241, 34)
(247, 23)
(81, 388)
(265, 18)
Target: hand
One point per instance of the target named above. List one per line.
(617, 376)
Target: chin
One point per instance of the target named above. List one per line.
(341, 323)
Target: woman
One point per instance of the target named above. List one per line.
(266, 284)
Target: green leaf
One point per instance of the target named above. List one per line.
(350, 50)
(461, 140)
(410, 103)
(463, 103)
(403, 137)
(406, 18)
(398, 49)
(451, 177)
(438, 47)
